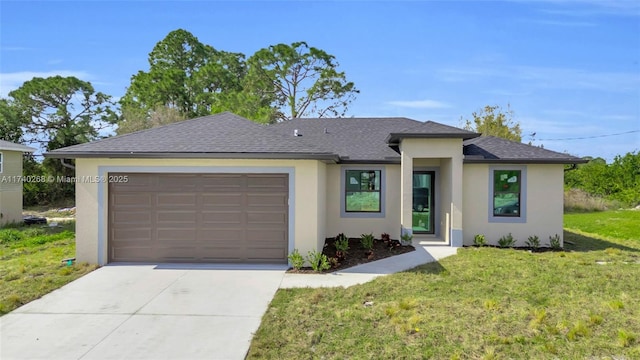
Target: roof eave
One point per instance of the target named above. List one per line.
(192, 155)
(524, 161)
(393, 138)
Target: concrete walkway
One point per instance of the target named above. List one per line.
(366, 272)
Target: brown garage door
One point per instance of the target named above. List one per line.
(198, 218)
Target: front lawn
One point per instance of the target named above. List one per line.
(30, 263)
(482, 303)
(614, 224)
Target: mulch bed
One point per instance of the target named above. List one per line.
(356, 255)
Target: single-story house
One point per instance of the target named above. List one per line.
(222, 188)
(11, 181)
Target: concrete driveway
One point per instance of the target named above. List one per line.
(144, 312)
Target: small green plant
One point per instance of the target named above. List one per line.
(342, 245)
(407, 238)
(319, 261)
(479, 240)
(506, 241)
(533, 242)
(554, 242)
(367, 241)
(8, 236)
(625, 338)
(296, 260)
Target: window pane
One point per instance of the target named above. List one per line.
(353, 180)
(363, 201)
(506, 204)
(506, 181)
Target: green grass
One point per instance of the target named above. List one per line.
(484, 303)
(619, 224)
(30, 263)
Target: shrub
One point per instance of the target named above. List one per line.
(342, 245)
(367, 241)
(8, 236)
(296, 260)
(533, 242)
(385, 237)
(479, 240)
(506, 241)
(554, 242)
(319, 261)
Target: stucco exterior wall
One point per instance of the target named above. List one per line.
(10, 188)
(306, 190)
(448, 153)
(544, 204)
(354, 227)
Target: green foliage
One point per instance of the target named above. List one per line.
(185, 75)
(479, 240)
(407, 238)
(319, 261)
(276, 83)
(342, 243)
(494, 121)
(554, 242)
(136, 119)
(367, 241)
(296, 260)
(619, 180)
(300, 81)
(56, 112)
(8, 236)
(10, 122)
(506, 241)
(533, 241)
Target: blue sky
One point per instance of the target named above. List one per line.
(568, 68)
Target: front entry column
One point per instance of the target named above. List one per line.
(406, 192)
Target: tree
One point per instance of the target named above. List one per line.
(185, 75)
(299, 81)
(134, 119)
(10, 122)
(494, 121)
(61, 111)
(56, 112)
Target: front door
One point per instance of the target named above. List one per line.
(423, 211)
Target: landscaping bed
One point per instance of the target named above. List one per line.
(357, 254)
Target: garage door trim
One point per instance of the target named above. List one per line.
(103, 196)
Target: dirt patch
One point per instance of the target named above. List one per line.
(357, 255)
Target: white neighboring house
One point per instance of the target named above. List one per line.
(11, 181)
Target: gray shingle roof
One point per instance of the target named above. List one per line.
(10, 146)
(354, 139)
(344, 139)
(430, 129)
(494, 149)
(223, 133)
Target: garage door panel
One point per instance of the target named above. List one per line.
(177, 216)
(221, 199)
(266, 217)
(199, 218)
(136, 216)
(267, 182)
(131, 234)
(184, 234)
(211, 218)
(176, 199)
(131, 199)
(255, 199)
(221, 182)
